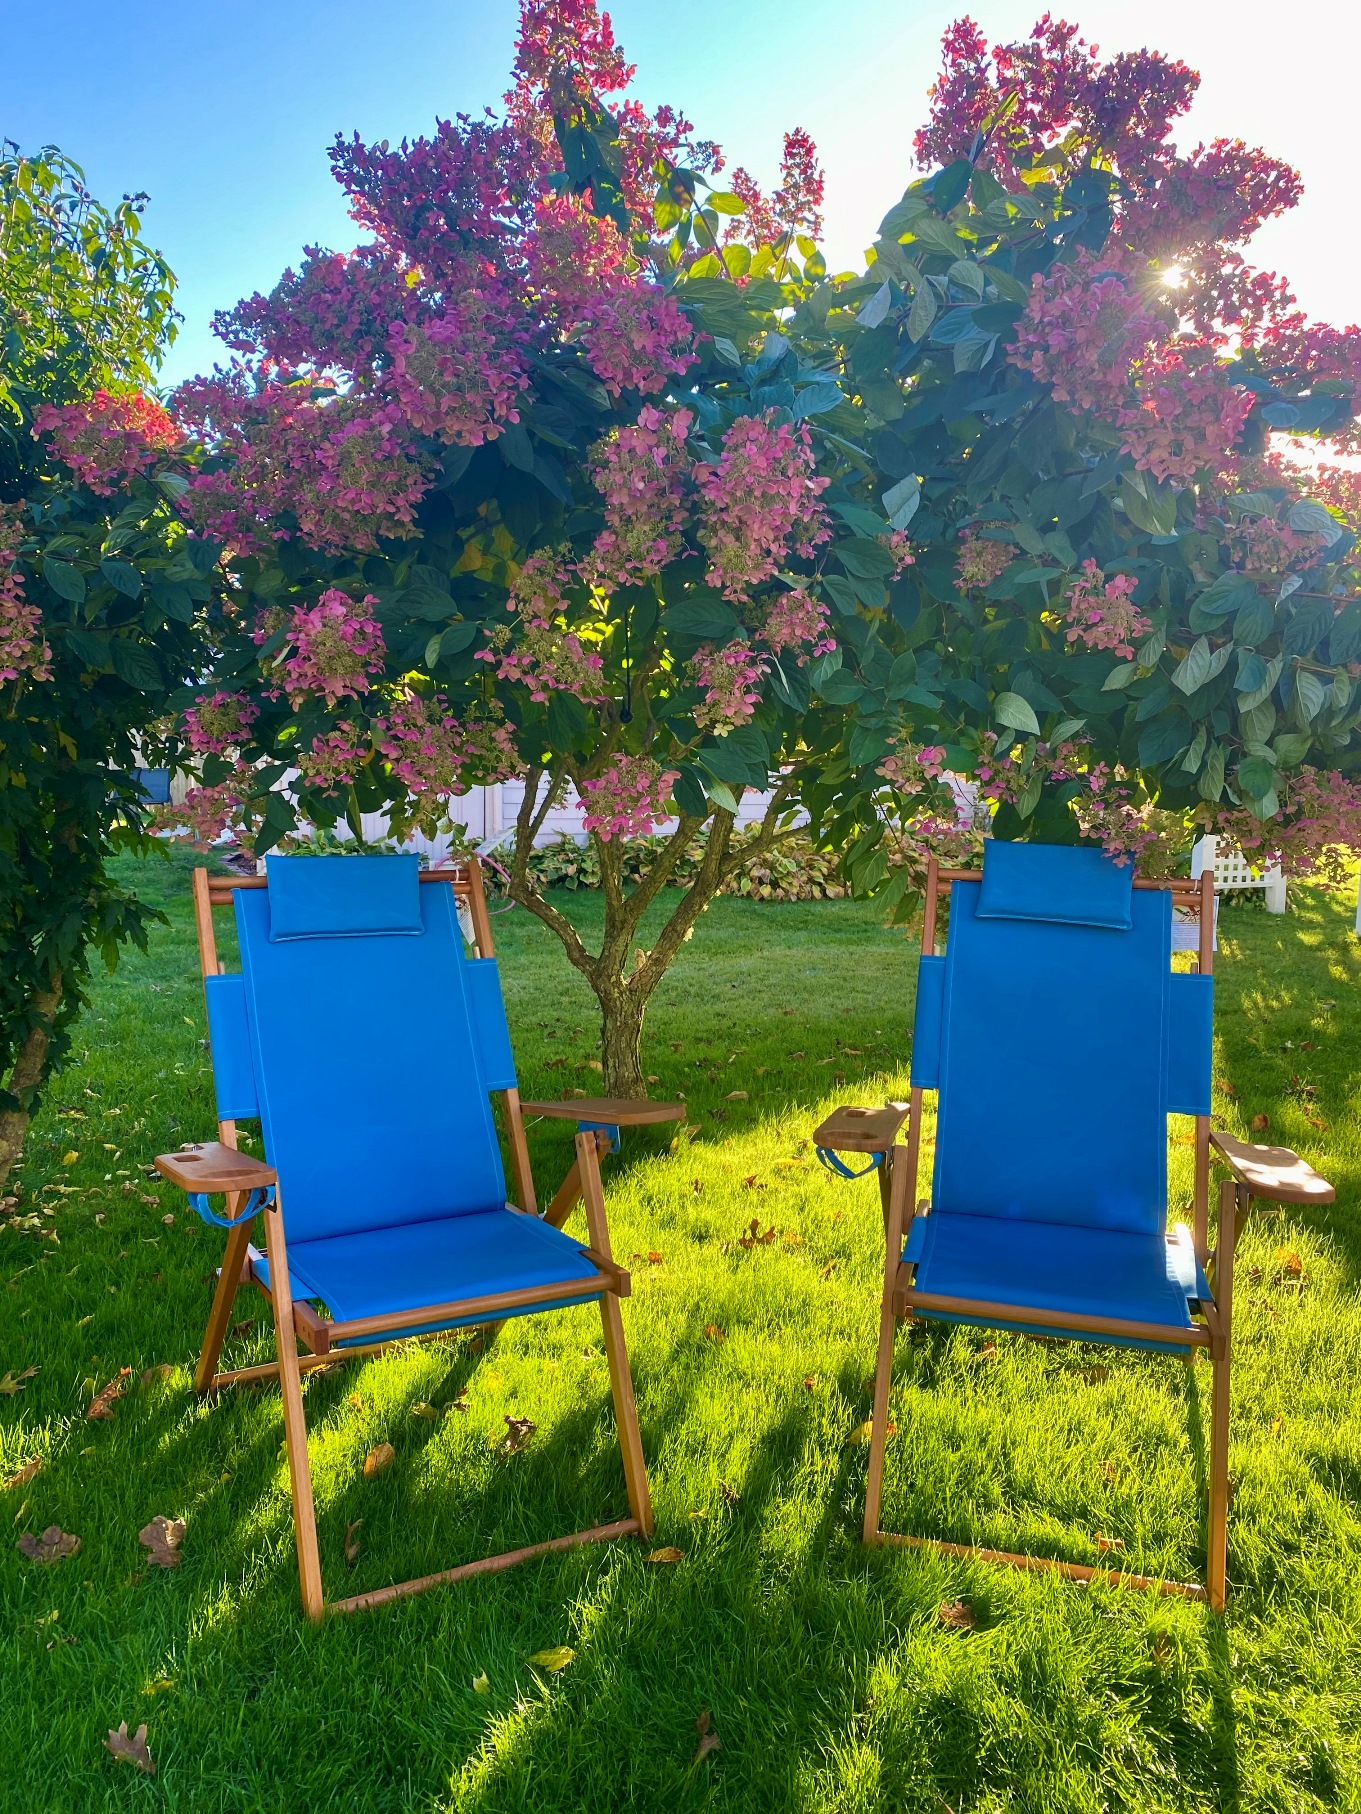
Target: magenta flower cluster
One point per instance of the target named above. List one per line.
(219, 721)
(797, 620)
(23, 647)
(336, 757)
(729, 680)
(433, 753)
(1100, 613)
(544, 657)
(641, 472)
(108, 440)
(332, 649)
(759, 500)
(630, 798)
(458, 376)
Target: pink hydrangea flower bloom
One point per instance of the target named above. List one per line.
(459, 376)
(1103, 616)
(796, 620)
(544, 656)
(23, 647)
(629, 799)
(333, 648)
(335, 758)
(641, 473)
(108, 440)
(730, 680)
(218, 721)
(759, 503)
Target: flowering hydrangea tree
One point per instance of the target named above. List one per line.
(584, 471)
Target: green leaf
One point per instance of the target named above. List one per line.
(1224, 596)
(723, 201)
(1256, 777)
(873, 311)
(922, 312)
(841, 687)
(900, 501)
(516, 447)
(1150, 506)
(1200, 665)
(816, 400)
(1120, 677)
(687, 790)
(1211, 783)
(1291, 747)
(1191, 761)
(865, 559)
(964, 274)
(1313, 519)
(1016, 713)
(1308, 697)
(122, 576)
(136, 665)
(709, 618)
(65, 580)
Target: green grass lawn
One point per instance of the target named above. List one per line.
(827, 1672)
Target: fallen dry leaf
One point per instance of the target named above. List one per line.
(23, 1475)
(163, 1537)
(352, 1544)
(752, 1183)
(731, 1496)
(379, 1460)
(708, 1738)
(480, 1684)
(714, 1333)
(667, 1553)
(1277, 1425)
(753, 1237)
(130, 1750)
(103, 1402)
(1094, 1375)
(1288, 1263)
(1109, 1469)
(810, 1384)
(735, 1096)
(161, 1371)
(958, 1615)
(14, 1382)
(553, 1660)
(1226, 1087)
(54, 1545)
(518, 1432)
(1109, 1543)
(1260, 1123)
(1314, 1121)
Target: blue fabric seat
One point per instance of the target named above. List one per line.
(1037, 1266)
(379, 1271)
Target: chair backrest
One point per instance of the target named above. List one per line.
(1059, 1041)
(367, 1043)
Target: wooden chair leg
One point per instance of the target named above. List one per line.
(626, 1415)
(897, 1181)
(621, 1380)
(295, 1421)
(1218, 1522)
(883, 1373)
(228, 1283)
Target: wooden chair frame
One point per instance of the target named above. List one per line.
(1272, 1172)
(219, 1167)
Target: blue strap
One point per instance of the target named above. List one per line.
(835, 1163)
(257, 1200)
(601, 1127)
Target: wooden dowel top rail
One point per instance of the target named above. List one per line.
(221, 887)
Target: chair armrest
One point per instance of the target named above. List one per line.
(1272, 1171)
(210, 1167)
(856, 1130)
(614, 1111)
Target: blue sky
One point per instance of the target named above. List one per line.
(222, 109)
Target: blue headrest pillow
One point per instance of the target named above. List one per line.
(1066, 884)
(343, 897)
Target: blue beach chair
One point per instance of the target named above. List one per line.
(1058, 1041)
(369, 1044)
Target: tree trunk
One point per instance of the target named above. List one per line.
(621, 1042)
(30, 1068)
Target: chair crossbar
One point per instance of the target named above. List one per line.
(1196, 1335)
(1071, 1571)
